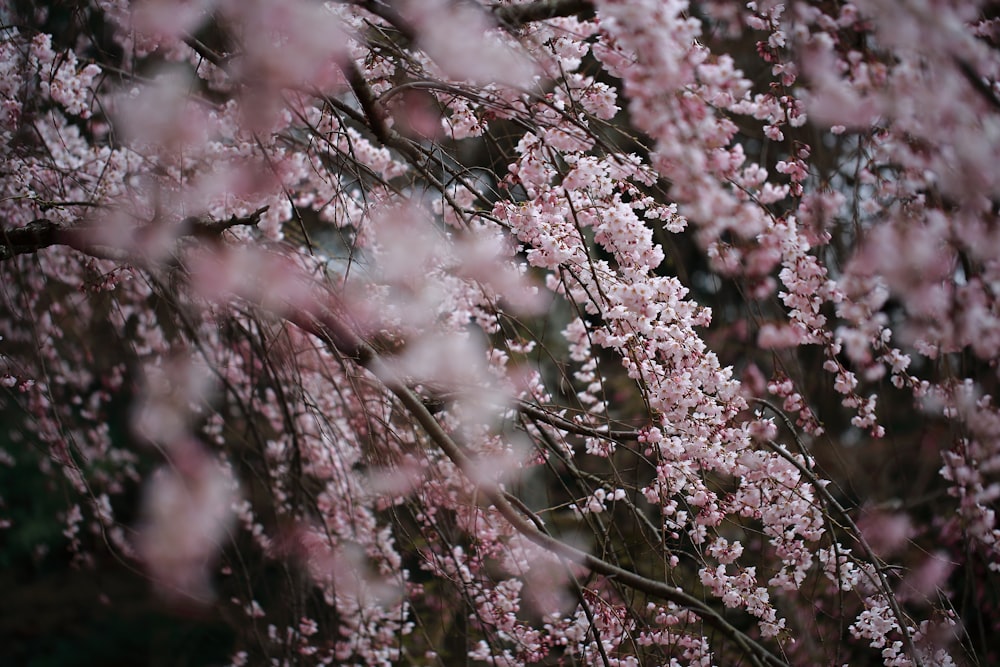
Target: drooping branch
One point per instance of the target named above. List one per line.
(328, 327)
(756, 652)
(844, 516)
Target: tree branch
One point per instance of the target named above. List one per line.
(509, 16)
(205, 52)
(42, 233)
(517, 15)
(552, 419)
(388, 14)
(34, 236)
(820, 488)
(373, 111)
(328, 327)
(978, 84)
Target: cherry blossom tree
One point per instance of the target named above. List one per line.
(583, 332)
